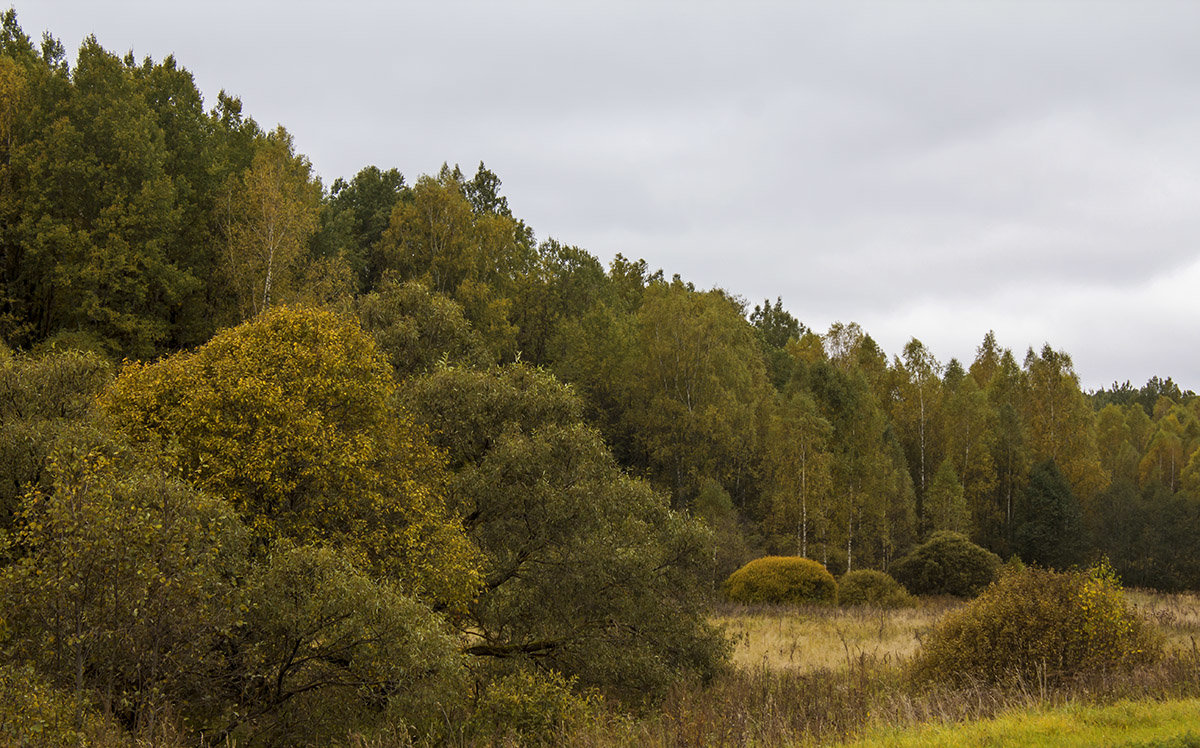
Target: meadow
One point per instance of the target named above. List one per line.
(819, 675)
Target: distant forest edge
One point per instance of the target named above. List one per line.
(136, 224)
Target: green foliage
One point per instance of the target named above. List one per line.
(776, 328)
(696, 391)
(530, 708)
(354, 218)
(417, 329)
(323, 648)
(780, 580)
(874, 588)
(34, 713)
(1188, 739)
(291, 418)
(561, 286)
(110, 173)
(1050, 530)
(124, 581)
(945, 501)
(436, 236)
(946, 564)
(1040, 624)
(587, 570)
(39, 397)
(271, 212)
(714, 505)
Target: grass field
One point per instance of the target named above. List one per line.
(1126, 723)
(1176, 615)
(818, 638)
(821, 676)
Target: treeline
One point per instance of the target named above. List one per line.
(391, 394)
(136, 223)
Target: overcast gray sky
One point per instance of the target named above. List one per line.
(926, 169)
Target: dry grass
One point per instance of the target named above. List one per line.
(1176, 615)
(820, 676)
(824, 638)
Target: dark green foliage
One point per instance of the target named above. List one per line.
(354, 218)
(776, 327)
(124, 582)
(587, 570)
(323, 649)
(873, 588)
(562, 284)
(1040, 625)
(417, 329)
(781, 580)
(39, 396)
(1050, 530)
(1151, 536)
(946, 564)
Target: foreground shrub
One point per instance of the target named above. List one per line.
(947, 564)
(32, 712)
(531, 708)
(781, 579)
(1036, 624)
(871, 587)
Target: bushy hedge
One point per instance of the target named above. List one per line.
(871, 587)
(1038, 624)
(946, 564)
(781, 579)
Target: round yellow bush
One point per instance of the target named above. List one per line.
(781, 579)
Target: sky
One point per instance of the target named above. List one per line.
(925, 169)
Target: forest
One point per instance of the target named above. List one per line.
(282, 461)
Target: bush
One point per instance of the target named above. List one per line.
(1040, 624)
(528, 708)
(781, 579)
(871, 587)
(947, 564)
(33, 712)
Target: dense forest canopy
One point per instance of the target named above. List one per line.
(379, 424)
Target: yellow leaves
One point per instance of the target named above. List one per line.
(289, 417)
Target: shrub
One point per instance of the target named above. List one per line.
(947, 564)
(33, 712)
(1039, 624)
(531, 708)
(781, 579)
(871, 587)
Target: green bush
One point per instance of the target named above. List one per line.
(871, 587)
(781, 579)
(1038, 624)
(946, 564)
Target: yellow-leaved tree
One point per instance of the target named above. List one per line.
(292, 417)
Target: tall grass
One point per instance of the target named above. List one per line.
(822, 638)
(815, 676)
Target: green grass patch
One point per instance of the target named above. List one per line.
(1126, 723)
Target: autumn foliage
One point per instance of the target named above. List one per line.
(1038, 624)
(291, 417)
